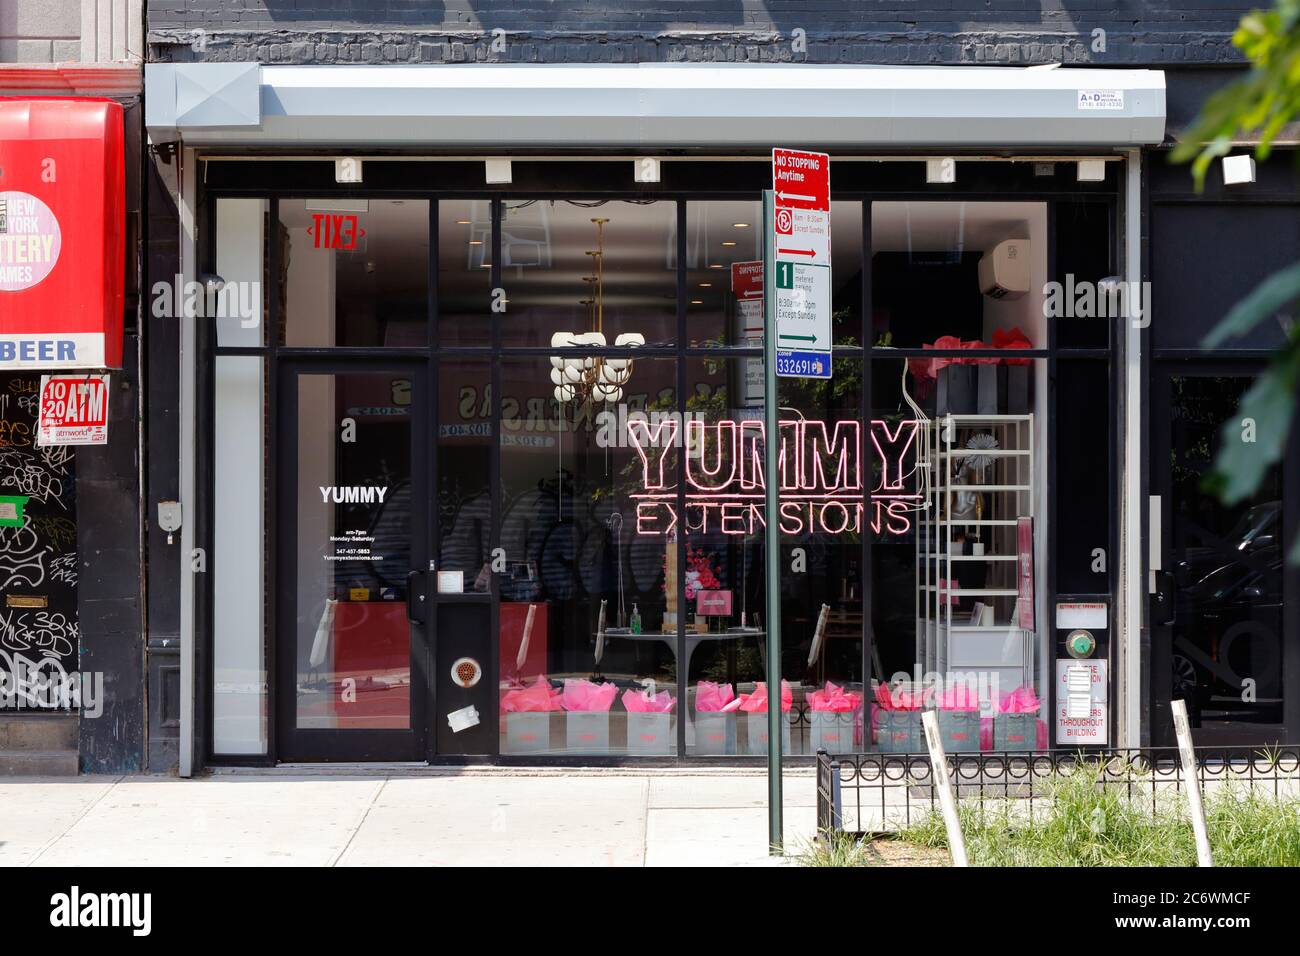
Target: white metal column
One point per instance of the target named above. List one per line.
(1132, 592)
(188, 409)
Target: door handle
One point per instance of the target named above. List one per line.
(1163, 610)
(415, 597)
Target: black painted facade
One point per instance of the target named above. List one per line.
(1189, 40)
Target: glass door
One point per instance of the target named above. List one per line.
(1222, 638)
(351, 646)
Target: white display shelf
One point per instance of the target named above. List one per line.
(1006, 490)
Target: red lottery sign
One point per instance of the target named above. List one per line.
(801, 180)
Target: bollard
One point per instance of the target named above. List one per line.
(1188, 756)
(947, 799)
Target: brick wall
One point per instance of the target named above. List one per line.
(1136, 32)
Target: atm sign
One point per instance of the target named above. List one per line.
(73, 410)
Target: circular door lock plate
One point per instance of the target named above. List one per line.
(466, 672)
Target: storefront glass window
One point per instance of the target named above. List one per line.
(958, 584)
(822, 519)
(958, 274)
(238, 571)
(464, 272)
(724, 273)
(238, 307)
(600, 271)
(356, 271)
(588, 635)
(603, 479)
(465, 469)
(354, 536)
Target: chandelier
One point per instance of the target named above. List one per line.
(583, 378)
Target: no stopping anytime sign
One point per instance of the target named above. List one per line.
(801, 241)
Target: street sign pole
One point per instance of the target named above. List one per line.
(772, 578)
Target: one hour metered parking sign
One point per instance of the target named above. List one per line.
(801, 243)
(73, 410)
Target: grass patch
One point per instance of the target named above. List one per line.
(835, 848)
(1082, 823)
(843, 849)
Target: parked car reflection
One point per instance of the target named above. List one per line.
(1228, 635)
(1255, 532)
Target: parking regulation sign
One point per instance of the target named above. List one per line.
(801, 243)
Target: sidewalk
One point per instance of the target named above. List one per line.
(399, 816)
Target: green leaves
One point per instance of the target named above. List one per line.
(1259, 104)
(1268, 299)
(1265, 416)
(1257, 107)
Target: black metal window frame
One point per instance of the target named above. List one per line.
(275, 181)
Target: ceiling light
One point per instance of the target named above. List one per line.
(645, 169)
(1091, 171)
(729, 242)
(706, 285)
(943, 170)
(741, 225)
(476, 242)
(463, 222)
(1238, 170)
(591, 378)
(697, 301)
(716, 265)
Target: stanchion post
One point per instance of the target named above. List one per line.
(943, 783)
(1191, 773)
(772, 575)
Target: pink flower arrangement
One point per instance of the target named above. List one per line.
(924, 370)
(701, 574)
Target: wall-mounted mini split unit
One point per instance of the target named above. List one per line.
(1004, 270)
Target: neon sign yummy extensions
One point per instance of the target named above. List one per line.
(819, 468)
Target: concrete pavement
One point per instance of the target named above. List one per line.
(402, 816)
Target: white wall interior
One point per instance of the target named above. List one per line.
(239, 665)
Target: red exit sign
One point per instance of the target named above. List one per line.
(335, 230)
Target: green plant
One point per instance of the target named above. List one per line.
(1087, 824)
(835, 848)
(1253, 829)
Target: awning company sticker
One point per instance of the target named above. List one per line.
(30, 241)
(1100, 100)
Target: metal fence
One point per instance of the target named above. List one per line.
(879, 793)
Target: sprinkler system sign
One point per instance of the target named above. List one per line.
(801, 242)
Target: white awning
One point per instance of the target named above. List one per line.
(651, 106)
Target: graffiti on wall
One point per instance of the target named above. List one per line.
(38, 537)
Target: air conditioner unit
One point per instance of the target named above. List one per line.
(1004, 270)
